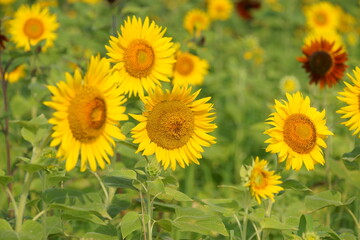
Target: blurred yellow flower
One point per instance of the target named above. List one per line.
(142, 56)
(298, 132)
(262, 182)
(85, 1)
(174, 126)
(219, 9)
(16, 74)
(47, 3)
(6, 2)
(289, 84)
(275, 5)
(189, 69)
(330, 36)
(32, 25)
(322, 16)
(351, 96)
(196, 21)
(88, 110)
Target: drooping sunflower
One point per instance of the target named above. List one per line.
(324, 63)
(351, 97)
(298, 132)
(32, 25)
(87, 113)
(174, 126)
(142, 56)
(322, 16)
(219, 9)
(262, 182)
(189, 69)
(196, 21)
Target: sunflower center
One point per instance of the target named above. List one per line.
(289, 85)
(87, 114)
(259, 179)
(320, 62)
(184, 65)
(321, 18)
(170, 124)
(300, 133)
(33, 28)
(139, 58)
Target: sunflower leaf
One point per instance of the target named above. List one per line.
(130, 223)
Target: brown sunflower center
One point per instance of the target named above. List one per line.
(184, 65)
(170, 124)
(300, 133)
(321, 18)
(139, 58)
(33, 28)
(87, 114)
(320, 62)
(259, 179)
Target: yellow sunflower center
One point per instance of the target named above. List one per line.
(184, 65)
(170, 124)
(220, 8)
(290, 85)
(87, 114)
(321, 62)
(258, 178)
(139, 58)
(321, 18)
(300, 133)
(33, 28)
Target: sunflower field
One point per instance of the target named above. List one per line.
(179, 119)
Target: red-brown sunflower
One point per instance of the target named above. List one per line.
(244, 8)
(324, 62)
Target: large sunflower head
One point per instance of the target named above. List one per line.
(219, 9)
(324, 62)
(142, 55)
(262, 182)
(174, 126)
(87, 111)
(351, 96)
(196, 21)
(322, 16)
(298, 132)
(32, 25)
(189, 69)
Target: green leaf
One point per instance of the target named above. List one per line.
(53, 225)
(31, 230)
(98, 236)
(176, 195)
(322, 200)
(5, 180)
(69, 214)
(274, 223)
(224, 206)
(30, 167)
(119, 203)
(28, 135)
(347, 236)
(195, 220)
(155, 187)
(8, 235)
(294, 185)
(4, 225)
(165, 224)
(120, 178)
(302, 225)
(130, 223)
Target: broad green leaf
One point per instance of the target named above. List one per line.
(30, 167)
(165, 224)
(53, 225)
(324, 231)
(172, 193)
(120, 178)
(69, 214)
(322, 200)
(130, 223)
(98, 236)
(5, 180)
(224, 206)
(8, 235)
(4, 225)
(347, 236)
(31, 230)
(274, 223)
(119, 203)
(156, 187)
(294, 185)
(195, 220)
(28, 135)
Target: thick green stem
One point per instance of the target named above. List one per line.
(22, 202)
(355, 221)
(149, 212)
(12, 199)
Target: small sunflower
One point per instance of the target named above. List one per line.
(219, 9)
(351, 97)
(189, 69)
(142, 56)
(196, 21)
(87, 113)
(32, 25)
(16, 74)
(289, 84)
(262, 182)
(324, 62)
(245, 7)
(322, 16)
(298, 133)
(174, 126)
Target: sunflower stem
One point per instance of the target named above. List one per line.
(355, 221)
(103, 188)
(149, 212)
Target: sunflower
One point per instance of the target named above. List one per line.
(87, 113)
(262, 182)
(298, 133)
(196, 21)
(324, 62)
(32, 25)
(289, 84)
(16, 74)
(174, 126)
(245, 7)
(219, 9)
(351, 97)
(322, 16)
(189, 69)
(142, 56)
